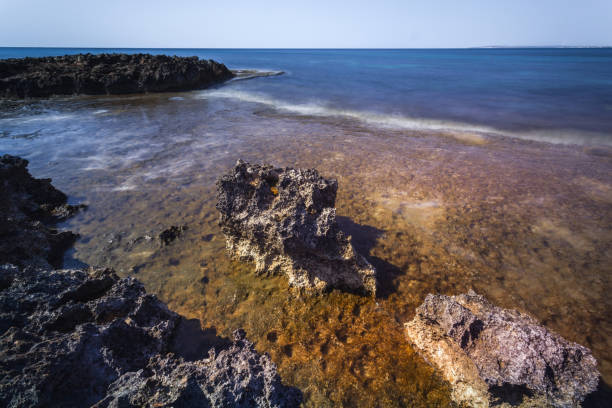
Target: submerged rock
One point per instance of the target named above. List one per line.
(494, 356)
(132, 249)
(75, 338)
(28, 209)
(106, 74)
(285, 221)
(168, 235)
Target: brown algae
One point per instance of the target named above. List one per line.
(526, 224)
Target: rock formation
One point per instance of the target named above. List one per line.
(106, 74)
(80, 338)
(27, 207)
(75, 338)
(494, 356)
(285, 221)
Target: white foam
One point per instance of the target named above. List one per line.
(242, 74)
(395, 121)
(54, 117)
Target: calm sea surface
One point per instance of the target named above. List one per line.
(563, 95)
(484, 169)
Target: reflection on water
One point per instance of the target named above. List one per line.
(526, 224)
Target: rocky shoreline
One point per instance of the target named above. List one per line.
(106, 74)
(75, 338)
(85, 337)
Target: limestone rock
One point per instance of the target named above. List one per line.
(106, 74)
(284, 220)
(77, 338)
(494, 356)
(74, 338)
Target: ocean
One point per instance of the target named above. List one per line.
(483, 169)
(562, 95)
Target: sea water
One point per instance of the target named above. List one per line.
(458, 169)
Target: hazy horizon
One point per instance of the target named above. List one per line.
(275, 24)
(316, 48)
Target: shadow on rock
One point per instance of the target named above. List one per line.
(510, 394)
(192, 343)
(284, 221)
(363, 238)
(600, 398)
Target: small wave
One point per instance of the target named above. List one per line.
(469, 133)
(242, 74)
(53, 117)
(316, 109)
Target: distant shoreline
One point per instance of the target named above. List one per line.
(325, 48)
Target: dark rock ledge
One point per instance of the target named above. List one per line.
(103, 74)
(27, 208)
(499, 357)
(78, 338)
(284, 220)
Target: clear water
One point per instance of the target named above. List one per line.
(440, 201)
(561, 95)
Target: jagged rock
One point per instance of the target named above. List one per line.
(494, 356)
(73, 338)
(285, 221)
(106, 74)
(28, 209)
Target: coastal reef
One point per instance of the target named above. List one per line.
(27, 209)
(85, 337)
(76, 338)
(499, 357)
(104, 74)
(284, 220)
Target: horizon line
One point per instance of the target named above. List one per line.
(313, 48)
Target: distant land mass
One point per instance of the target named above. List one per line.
(544, 46)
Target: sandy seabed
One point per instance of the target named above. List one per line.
(526, 224)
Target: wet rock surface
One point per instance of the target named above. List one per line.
(77, 338)
(106, 74)
(284, 220)
(494, 356)
(28, 209)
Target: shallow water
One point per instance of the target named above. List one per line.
(527, 224)
(435, 208)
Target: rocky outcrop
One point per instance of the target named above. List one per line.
(284, 220)
(80, 338)
(28, 209)
(75, 338)
(494, 356)
(106, 74)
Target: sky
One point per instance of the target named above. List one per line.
(304, 24)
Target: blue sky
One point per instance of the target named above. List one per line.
(304, 24)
